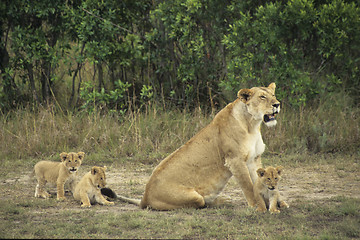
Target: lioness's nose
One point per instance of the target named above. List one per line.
(276, 105)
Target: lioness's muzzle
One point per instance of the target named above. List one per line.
(270, 117)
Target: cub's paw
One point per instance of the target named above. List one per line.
(109, 203)
(45, 196)
(85, 205)
(283, 204)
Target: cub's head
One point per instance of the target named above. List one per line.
(72, 160)
(270, 176)
(98, 176)
(261, 103)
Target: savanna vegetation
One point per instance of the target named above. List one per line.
(117, 77)
(128, 82)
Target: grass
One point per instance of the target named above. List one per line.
(147, 136)
(325, 134)
(336, 219)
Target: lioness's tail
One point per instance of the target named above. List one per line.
(130, 200)
(111, 194)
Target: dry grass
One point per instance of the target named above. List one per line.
(319, 209)
(148, 136)
(132, 144)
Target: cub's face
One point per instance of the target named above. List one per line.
(98, 176)
(270, 176)
(261, 103)
(72, 160)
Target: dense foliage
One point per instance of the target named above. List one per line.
(117, 55)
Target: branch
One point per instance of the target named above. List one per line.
(115, 25)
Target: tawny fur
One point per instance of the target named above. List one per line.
(231, 145)
(266, 190)
(88, 190)
(57, 173)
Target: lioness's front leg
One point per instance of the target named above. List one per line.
(253, 166)
(241, 173)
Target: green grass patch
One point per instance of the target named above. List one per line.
(337, 218)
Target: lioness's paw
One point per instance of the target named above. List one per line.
(220, 200)
(110, 203)
(61, 198)
(252, 205)
(261, 210)
(274, 211)
(85, 205)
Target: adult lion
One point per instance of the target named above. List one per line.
(231, 145)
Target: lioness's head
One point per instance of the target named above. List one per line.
(98, 176)
(270, 176)
(261, 103)
(72, 160)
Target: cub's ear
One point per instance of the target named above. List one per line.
(272, 87)
(94, 170)
(63, 156)
(260, 172)
(244, 94)
(81, 155)
(279, 169)
(104, 168)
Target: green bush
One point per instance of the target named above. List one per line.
(307, 49)
(191, 53)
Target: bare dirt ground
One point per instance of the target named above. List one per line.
(317, 183)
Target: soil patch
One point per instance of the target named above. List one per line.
(316, 183)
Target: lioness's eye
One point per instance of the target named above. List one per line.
(75, 160)
(262, 97)
(269, 179)
(69, 160)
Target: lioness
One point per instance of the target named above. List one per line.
(88, 189)
(231, 145)
(266, 191)
(57, 172)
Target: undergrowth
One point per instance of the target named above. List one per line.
(148, 136)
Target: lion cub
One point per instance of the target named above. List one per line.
(57, 172)
(88, 190)
(266, 192)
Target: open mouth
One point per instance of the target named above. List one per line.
(271, 188)
(73, 170)
(269, 117)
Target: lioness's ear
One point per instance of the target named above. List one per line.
(260, 172)
(81, 155)
(279, 169)
(244, 94)
(272, 87)
(94, 170)
(63, 156)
